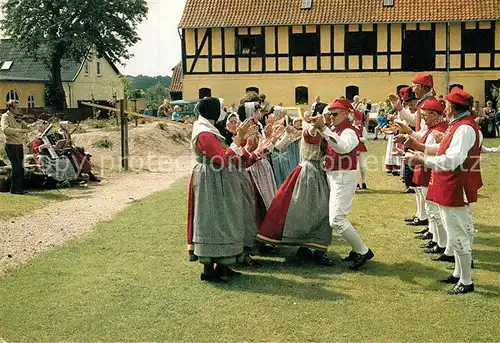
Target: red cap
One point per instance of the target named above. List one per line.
(407, 94)
(342, 104)
(459, 96)
(358, 115)
(423, 79)
(432, 104)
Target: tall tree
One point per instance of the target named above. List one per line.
(55, 30)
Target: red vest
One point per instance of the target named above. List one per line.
(422, 175)
(336, 161)
(361, 146)
(458, 187)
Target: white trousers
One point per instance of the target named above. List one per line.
(362, 160)
(420, 198)
(459, 227)
(435, 224)
(342, 185)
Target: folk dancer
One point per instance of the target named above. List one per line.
(341, 173)
(455, 181)
(304, 191)
(432, 113)
(215, 224)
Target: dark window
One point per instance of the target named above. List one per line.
(204, 93)
(250, 45)
(304, 44)
(419, 53)
(351, 91)
(252, 89)
(455, 85)
(301, 95)
(478, 41)
(361, 43)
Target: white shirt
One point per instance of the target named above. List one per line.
(343, 144)
(463, 140)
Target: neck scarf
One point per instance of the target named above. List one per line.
(460, 116)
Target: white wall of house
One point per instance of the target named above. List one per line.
(97, 80)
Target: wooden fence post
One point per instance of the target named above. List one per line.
(124, 135)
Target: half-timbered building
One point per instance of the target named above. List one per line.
(293, 50)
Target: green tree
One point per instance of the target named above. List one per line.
(156, 94)
(55, 30)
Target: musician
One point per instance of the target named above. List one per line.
(79, 157)
(59, 167)
(15, 131)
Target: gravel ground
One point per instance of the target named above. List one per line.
(23, 238)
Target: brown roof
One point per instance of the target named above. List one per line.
(232, 13)
(176, 83)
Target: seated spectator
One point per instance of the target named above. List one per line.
(164, 110)
(176, 116)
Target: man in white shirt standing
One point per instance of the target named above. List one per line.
(455, 181)
(341, 172)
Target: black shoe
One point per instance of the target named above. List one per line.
(418, 222)
(363, 186)
(434, 250)
(425, 236)
(358, 186)
(304, 254)
(429, 245)
(410, 219)
(444, 258)
(361, 260)
(351, 257)
(421, 232)
(462, 289)
(395, 173)
(409, 191)
(450, 279)
(212, 277)
(250, 262)
(322, 259)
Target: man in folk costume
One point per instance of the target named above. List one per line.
(341, 172)
(409, 101)
(432, 113)
(455, 181)
(304, 191)
(215, 232)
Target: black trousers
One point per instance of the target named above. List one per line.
(15, 154)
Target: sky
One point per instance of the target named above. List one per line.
(160, 48)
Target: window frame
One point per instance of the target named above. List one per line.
(9, 93)
(260, 45)
(298, 97)
(204, 89)
(355, 43)
(31, 102)
(98, 67)
(472, 41)
(296, 44)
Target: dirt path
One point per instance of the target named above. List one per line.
(24, 237)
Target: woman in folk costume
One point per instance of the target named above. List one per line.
(392, 162)
(294, 148)
(280, 155)
(304, 192)
(261, 171)
(215, 210)
(360, 129)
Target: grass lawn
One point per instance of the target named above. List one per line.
(130, 280)
(16, 205)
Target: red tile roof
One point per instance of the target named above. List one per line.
(176, 84)
(231, 13)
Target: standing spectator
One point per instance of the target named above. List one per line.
(317, 100)
(489, 124)
(266, 105)
(164, 110)
(489, 111)
(15, 131)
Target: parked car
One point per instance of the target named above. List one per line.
(295, 112)
(186, 107)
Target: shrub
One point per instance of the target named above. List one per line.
(103, 144)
